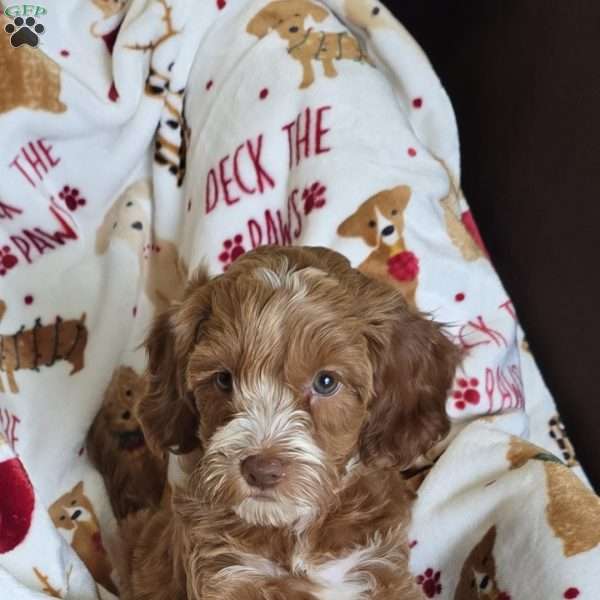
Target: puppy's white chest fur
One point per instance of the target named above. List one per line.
(346, 578)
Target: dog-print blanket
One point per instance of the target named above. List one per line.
(141, 138)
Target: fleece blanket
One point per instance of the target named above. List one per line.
(141, 138)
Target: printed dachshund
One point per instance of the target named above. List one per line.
(287, 18)
(42, 346)
(379, 221)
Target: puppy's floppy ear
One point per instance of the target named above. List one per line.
(413, 365)
(167, 411)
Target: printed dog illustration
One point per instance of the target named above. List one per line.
(287, 18)
(369, 15)
(42, 346)
(129, 220)
(108, 26)
(134, 477)
(29, 78)
(573, 511)
(74, 514)
(379, 221)
(478, 575)
(558, 433)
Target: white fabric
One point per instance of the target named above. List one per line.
(375, 123)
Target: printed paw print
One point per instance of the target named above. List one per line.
(313, 197)
(70, 196)
(430, 583)
(7, 260)
(467, 392)
(403, 266)
(24, 31)
(232, 249)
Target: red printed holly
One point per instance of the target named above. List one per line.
(16, 504)
(430, 583)
(313, 197)
(403, 266)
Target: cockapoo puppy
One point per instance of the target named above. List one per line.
(304, 386)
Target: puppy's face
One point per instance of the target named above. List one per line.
(280, 362)
(286, 17)
(71, 508)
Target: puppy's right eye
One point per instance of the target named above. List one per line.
(224, 381)
(372, 223)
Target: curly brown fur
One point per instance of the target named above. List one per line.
(134, 477)
(297, 492)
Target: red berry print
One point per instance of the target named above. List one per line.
(28, 299)
(466, 392)
(313, 197)
(16, 504)
(221, 4)
(459, 297)
(113, 95)
(70, 196)
(7, 260)
(430, 583)
(232, 249)
(134, 312)
(403, 266)
(263, 93)
(81, 451)
(412, 152)
(209, 84)
(571, 593)
(413, 543)
(64, 53)
(417, 102)
(504, 596)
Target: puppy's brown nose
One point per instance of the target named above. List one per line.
(262, 472)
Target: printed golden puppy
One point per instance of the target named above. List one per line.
(287, 18)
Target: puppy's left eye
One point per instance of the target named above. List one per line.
(224, 381)
(325, 384)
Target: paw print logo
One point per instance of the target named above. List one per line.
(70, 196)
(7, 260)
(313, 197)
(430, 583)
(466, 392)
(24, 31)
(232, 249)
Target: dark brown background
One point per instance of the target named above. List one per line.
(524, 79)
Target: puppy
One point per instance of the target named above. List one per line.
(287, 17)
(306, 386)
(134, 477)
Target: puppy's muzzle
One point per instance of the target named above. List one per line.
(262, 472)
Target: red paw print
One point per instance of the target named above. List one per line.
(430, 582)
(466, 393)
(313, 197)
(403, 266)
(70, 196)
(7, 260)
(232, 249)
